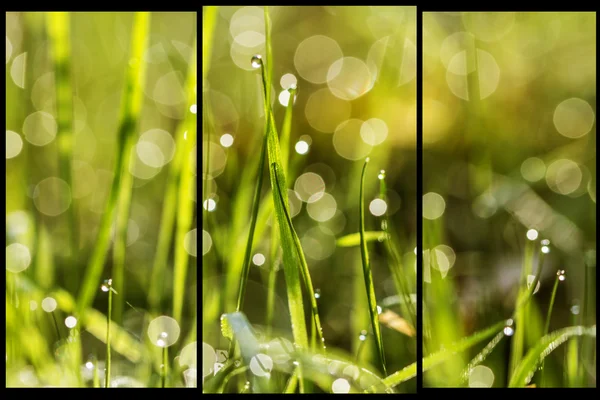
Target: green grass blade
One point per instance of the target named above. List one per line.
(367, 272)
(131, 104)
(481, 356)
(59, 30)
(185, 204)
(108, 356)
(273, 262)
(395, 266)
(281, 205)
(253, 218)
(549, 316)
(209, 21)
(439, 357)
(527, 367)
(353, 239)
(305, 273)
(120, 238)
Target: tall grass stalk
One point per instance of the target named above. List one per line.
(395, 267)
(59, 32)
(108, 320)
(559, 277)
(518, 339)
(187, 180)
(367, 272)
(273, 261)
(164, 367)
(131, 105)
(527, 367)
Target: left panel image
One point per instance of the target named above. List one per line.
(101, 199)
(308, 199)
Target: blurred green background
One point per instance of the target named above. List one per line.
(509, 145)
(354, 68)
(38, 203)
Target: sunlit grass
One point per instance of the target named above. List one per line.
(274, 335)
(66, 326)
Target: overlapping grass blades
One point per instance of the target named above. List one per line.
(439, 357)
(529, 364)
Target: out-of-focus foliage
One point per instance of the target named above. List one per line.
(509, 161)
(65, 78)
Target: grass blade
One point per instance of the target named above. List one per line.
(185, 207)
(367, 272)
(439, 357)
(559, 277)
(395, 266)
(353, 239)
(59, 33)
(479, 358)
(130, 111)
(527, 367)
(273, 262)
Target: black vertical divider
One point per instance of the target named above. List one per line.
(419, 150)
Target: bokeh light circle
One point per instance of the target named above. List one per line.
(52, 196)
(40, 128)
(18, 257)
(433, 205)
(314, 57)
(574, 118)
(347, 140)
(163, 331)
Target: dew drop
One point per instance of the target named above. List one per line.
(256, 61)
(561, 275)
(363, 335)
(379, 310)
(317, 293)
(545, 249)
(509, 330)
(545, 242)
(381, 174)
(106, 285)
(532, 234)
(575, 309)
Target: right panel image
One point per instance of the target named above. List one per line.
(509, 199)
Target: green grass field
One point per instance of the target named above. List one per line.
(100, 201)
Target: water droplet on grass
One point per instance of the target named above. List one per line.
(509, 329)
(363, 335)
(317, 293)
(561, 275)
(256, 61)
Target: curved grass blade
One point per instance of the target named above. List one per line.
(527, 367)
(130, 110)
(303, 266)
(353, 239)
(479, 358)
(367, 272)
(439, 357)
(273, 261)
